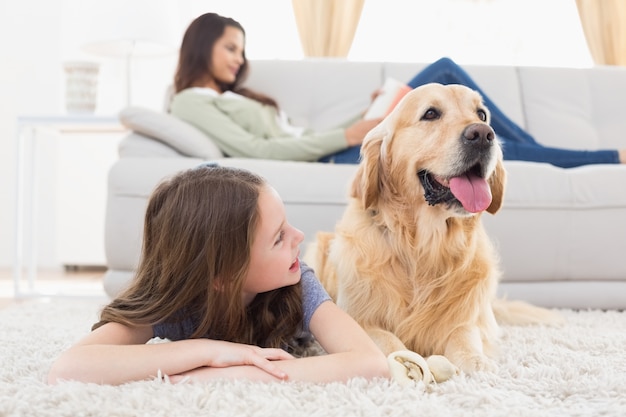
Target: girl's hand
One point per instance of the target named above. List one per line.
(226, 354)
(236, 361)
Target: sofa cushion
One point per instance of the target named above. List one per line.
(317, 93)
(170, 130)
(580, 108)
(532, 185)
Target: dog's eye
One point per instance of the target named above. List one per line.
(431, 114)
(482, 115)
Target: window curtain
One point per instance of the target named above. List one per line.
(327, 27)
(604, 25)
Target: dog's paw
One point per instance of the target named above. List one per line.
(407, 367)
(441, 368)
(475, 363)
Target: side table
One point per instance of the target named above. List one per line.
(26, 198)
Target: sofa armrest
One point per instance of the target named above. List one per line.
(165, 128)
(137, 145)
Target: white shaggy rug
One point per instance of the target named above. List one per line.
(577, 370)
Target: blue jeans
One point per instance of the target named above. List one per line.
(347, 156)
(516, 143)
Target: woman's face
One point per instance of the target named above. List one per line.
(275, 248)
(227, 55)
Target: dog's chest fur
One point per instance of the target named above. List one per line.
(420, 264)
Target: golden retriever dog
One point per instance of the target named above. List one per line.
(410, 259)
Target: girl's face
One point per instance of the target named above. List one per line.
(227, 55)
(274, 253)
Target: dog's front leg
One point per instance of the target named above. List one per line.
(465, 349)
(407, 366)
(386, 341)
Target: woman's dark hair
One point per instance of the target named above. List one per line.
(196, 52)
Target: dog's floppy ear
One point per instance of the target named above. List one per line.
(366, 182)
(497, 181)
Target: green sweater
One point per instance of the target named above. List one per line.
(242, 127)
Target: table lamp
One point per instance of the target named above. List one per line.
(132, 29)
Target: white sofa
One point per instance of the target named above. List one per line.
(561, 232)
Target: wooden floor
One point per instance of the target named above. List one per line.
(52, 284)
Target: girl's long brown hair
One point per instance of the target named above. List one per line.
(198, 231)
(196, 52)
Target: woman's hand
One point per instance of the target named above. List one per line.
(357, 131)
(375, 94)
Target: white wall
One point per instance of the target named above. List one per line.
(29, 83)
(37, 36)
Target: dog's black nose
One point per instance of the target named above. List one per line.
(478, 134)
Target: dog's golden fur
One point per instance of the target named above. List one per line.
(415, 275)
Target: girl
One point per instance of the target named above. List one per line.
(220, 277)
(209, 95)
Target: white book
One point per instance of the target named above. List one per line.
(392, 92)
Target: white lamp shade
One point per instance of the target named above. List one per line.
(120, 28)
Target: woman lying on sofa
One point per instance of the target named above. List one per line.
(209, 95)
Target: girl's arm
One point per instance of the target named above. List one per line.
(351, 353)
(115, 353)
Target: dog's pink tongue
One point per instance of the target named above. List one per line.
(472, 191)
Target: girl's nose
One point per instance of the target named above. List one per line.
(299, 237)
